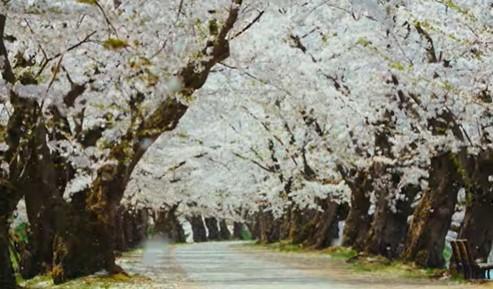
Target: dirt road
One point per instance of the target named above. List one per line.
(232, 265)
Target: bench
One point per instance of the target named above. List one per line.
(466, 264)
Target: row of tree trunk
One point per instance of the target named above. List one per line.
(315, 228)
(168, 227)
(210, 229)
(412, 225)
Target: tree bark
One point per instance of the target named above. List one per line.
(168, 226)
(120, 239)
(254, 226)
(358, 220)
(224, 232)
(7, 277)
(238, 230)
(477, 227)
(269, 228)
(212, 229)
(389, 227)
(8, 196)
(285, 224)
(22, 132)
(43, 205)
(432, 218)
(198, 229)
(303, 226)
(325, 227)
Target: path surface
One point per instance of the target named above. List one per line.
(231, 265)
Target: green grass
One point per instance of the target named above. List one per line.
(283, 246)
(374, 265)
(91, 282)
(384, 267)
(340, 253)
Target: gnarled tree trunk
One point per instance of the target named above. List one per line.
(477, 227)
(7, 277)
(304, 225)
(358, 220)
(432, 218)
(389, 227)
(325, 226)
(269, 228)
(43, 204)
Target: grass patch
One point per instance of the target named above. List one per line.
(340, 253)
(90, 282)
(382, 266)
(374, 265)
(282, 246)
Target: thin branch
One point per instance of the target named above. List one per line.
(78, 44)
(255, 20)
(180, 8)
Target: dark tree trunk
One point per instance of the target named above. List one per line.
(43, 204)
(178, 234)
(285, 224)
(303, 227)
(238, 231)
(141, 225)
(120, 239)
(83, 233)
(432, 218)
(389, 227)
(358, 220)
(254, 226)
(198, 229)
(212, 229)
(224, 232)
(128, 230)
(168, 225)
(295, 223)
(26, 138)
(477, 227)
(326, 226)
(7, 277)
(161, 226)
(269, 228)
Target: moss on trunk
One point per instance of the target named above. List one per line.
(431, 219)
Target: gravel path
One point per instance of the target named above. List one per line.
(231, 265)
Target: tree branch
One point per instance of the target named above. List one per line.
(7, 72)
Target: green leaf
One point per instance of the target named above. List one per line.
(363, 42)
(397, 65)
(88, 2)
(115, 43)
